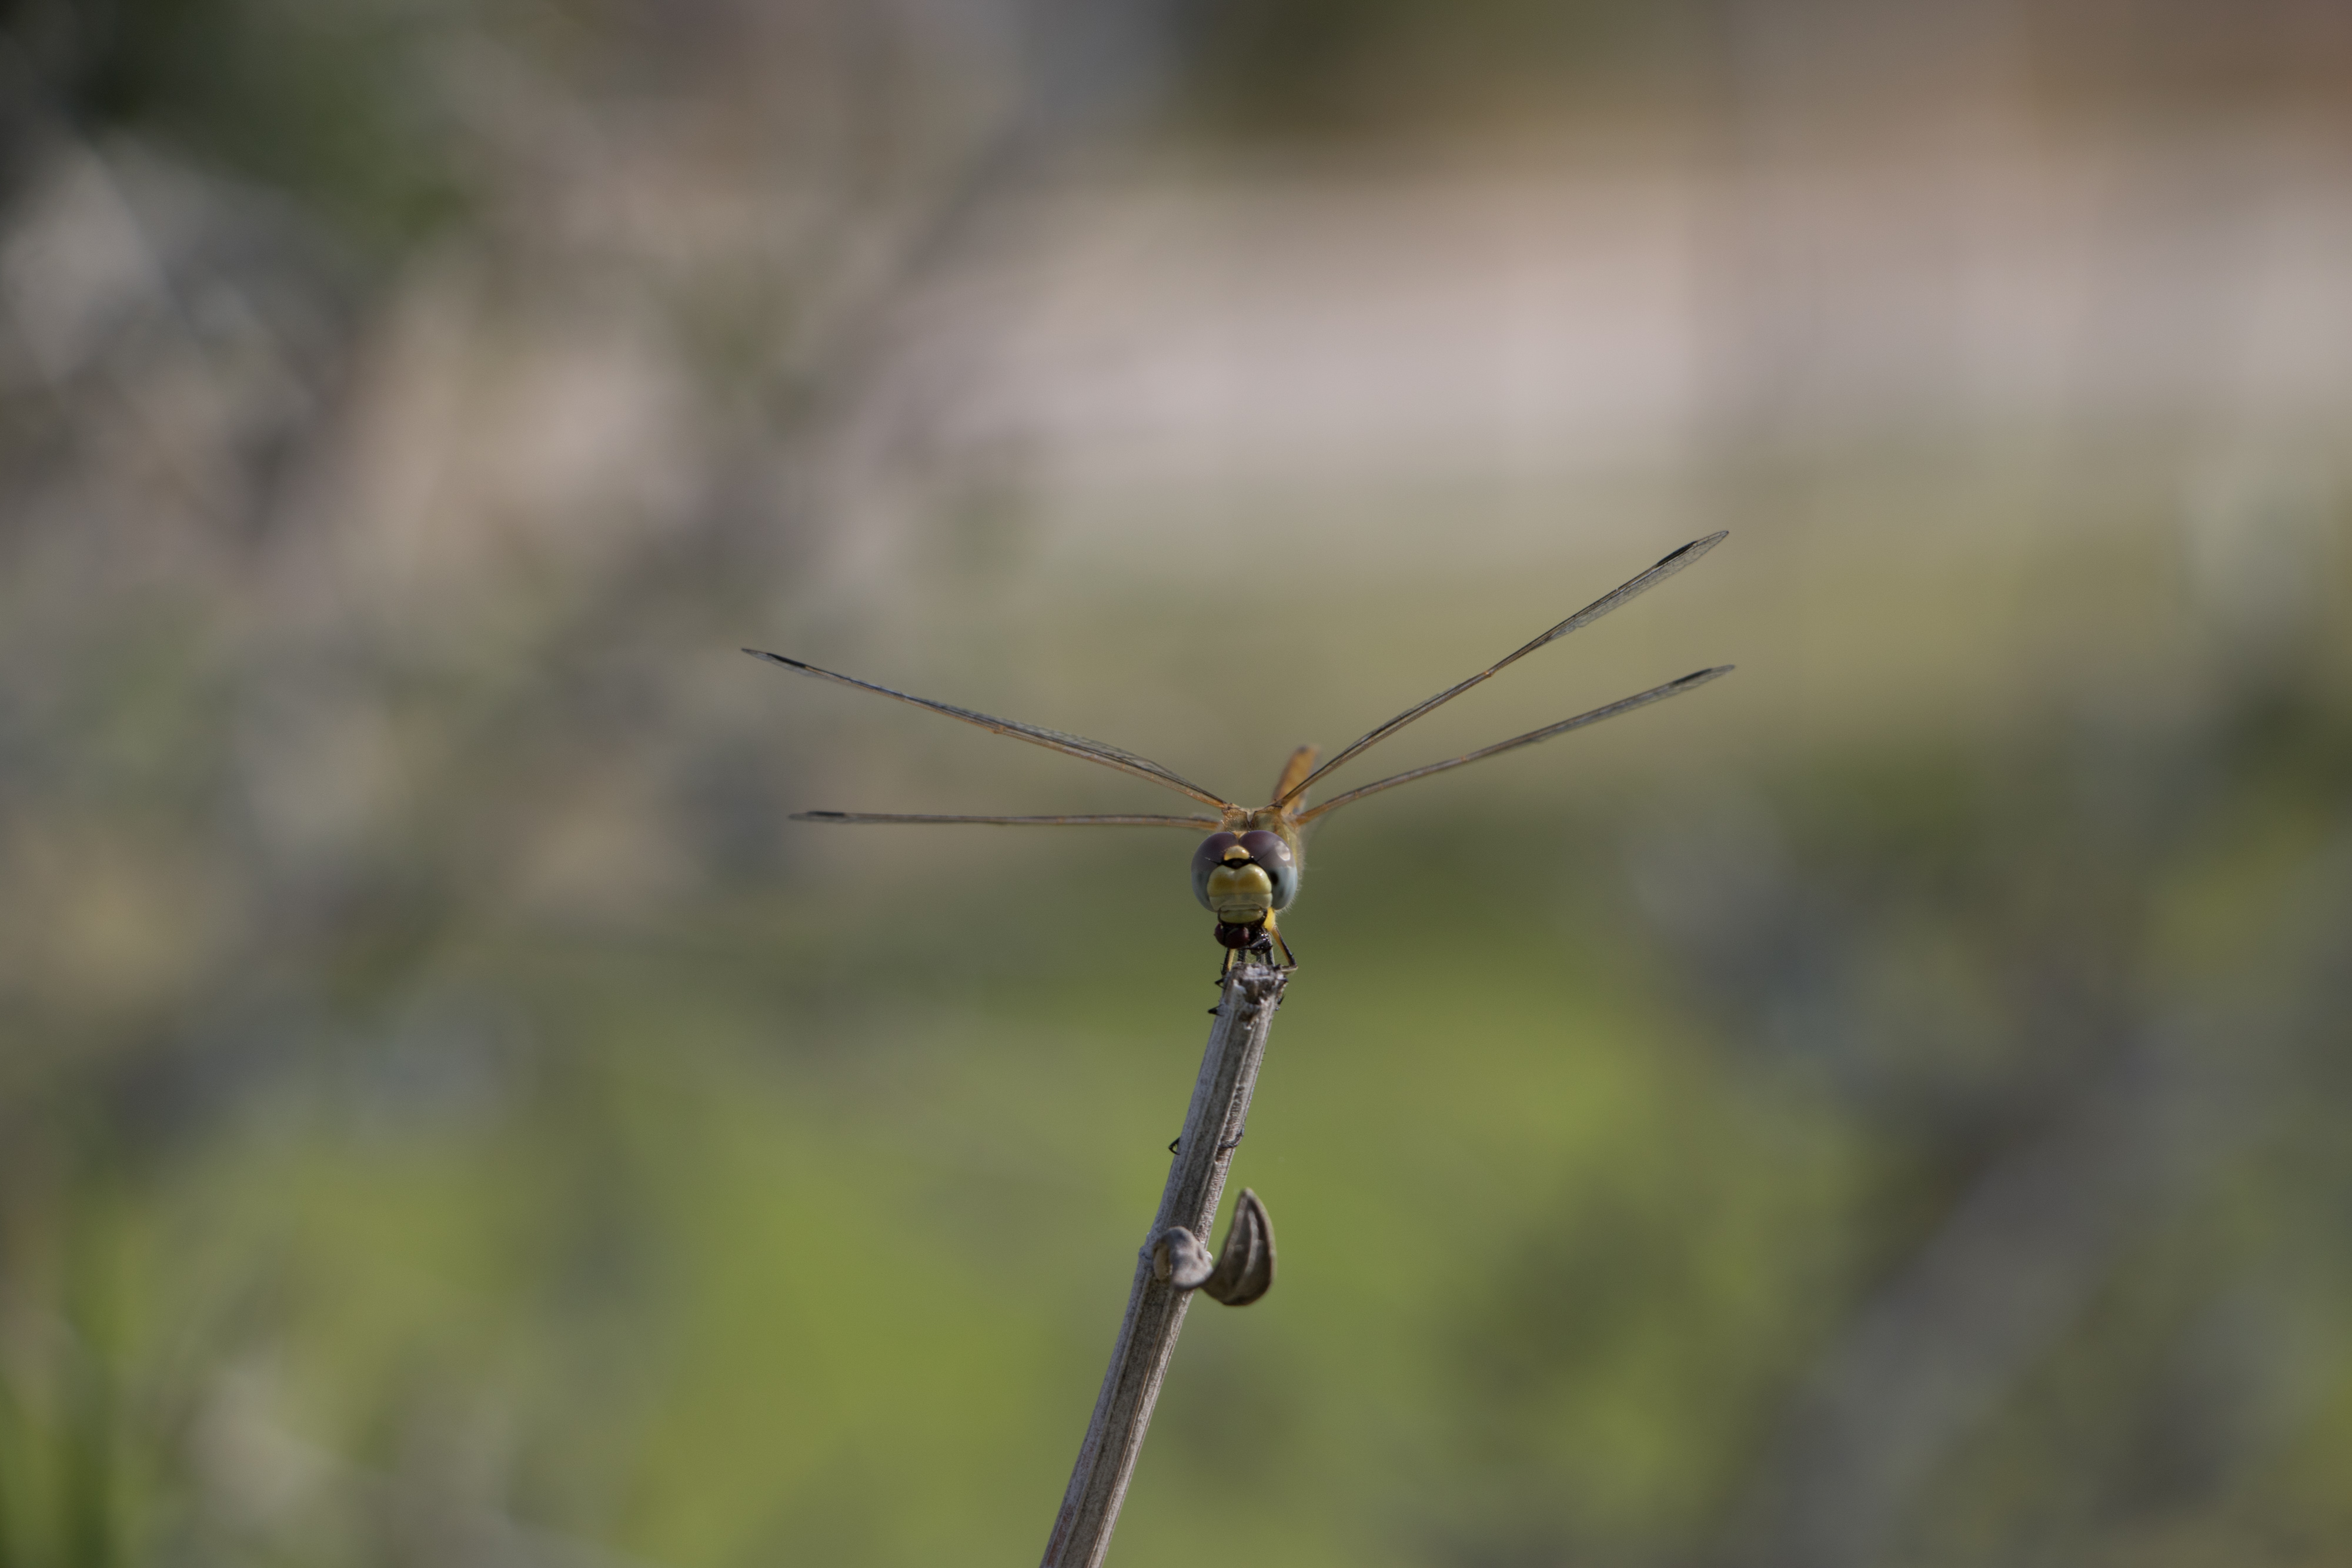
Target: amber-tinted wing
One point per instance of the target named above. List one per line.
(1191, 824)
(1052, 739)
(1294, 773)
(1691, 682)
(1658, 574)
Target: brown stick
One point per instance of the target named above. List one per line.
(1155, 1306)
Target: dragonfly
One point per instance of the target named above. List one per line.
(1247, 867)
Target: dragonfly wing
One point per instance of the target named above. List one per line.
(1294, 773)
(1689, 682)
(1052, 739)
(1670, 564)
(1193, 824)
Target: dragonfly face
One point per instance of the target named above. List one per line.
(1243, 878)
(1246, 871)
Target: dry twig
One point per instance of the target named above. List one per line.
(1175, 1261)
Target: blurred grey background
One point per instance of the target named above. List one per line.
(1883, 1109)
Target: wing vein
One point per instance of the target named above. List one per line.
(1113, 820)
(1691, 682)
(1051, 739)
(1666, 566)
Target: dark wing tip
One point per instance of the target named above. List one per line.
(1700, 677)
(775, 658)
(819, 816)
(1695, 549)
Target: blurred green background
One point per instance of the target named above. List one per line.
(1885, 1109)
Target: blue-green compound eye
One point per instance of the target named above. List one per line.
(1207, 858)
(1273, 856)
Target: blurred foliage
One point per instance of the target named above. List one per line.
(446, 1117)
(1342, 68)
(1402, 71)
(334, 106)
(649, 1244)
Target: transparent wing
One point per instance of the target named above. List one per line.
(1193, 824)
(1593, 612)
(1052, 739)
(1691, 682)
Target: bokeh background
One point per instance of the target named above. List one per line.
(1887, 1108)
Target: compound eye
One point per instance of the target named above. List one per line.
(1273, 856)
(1207, 858)
(1267, 849)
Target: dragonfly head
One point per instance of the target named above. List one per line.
(1241, 878)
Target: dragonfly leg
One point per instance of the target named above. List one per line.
(1274, 934)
